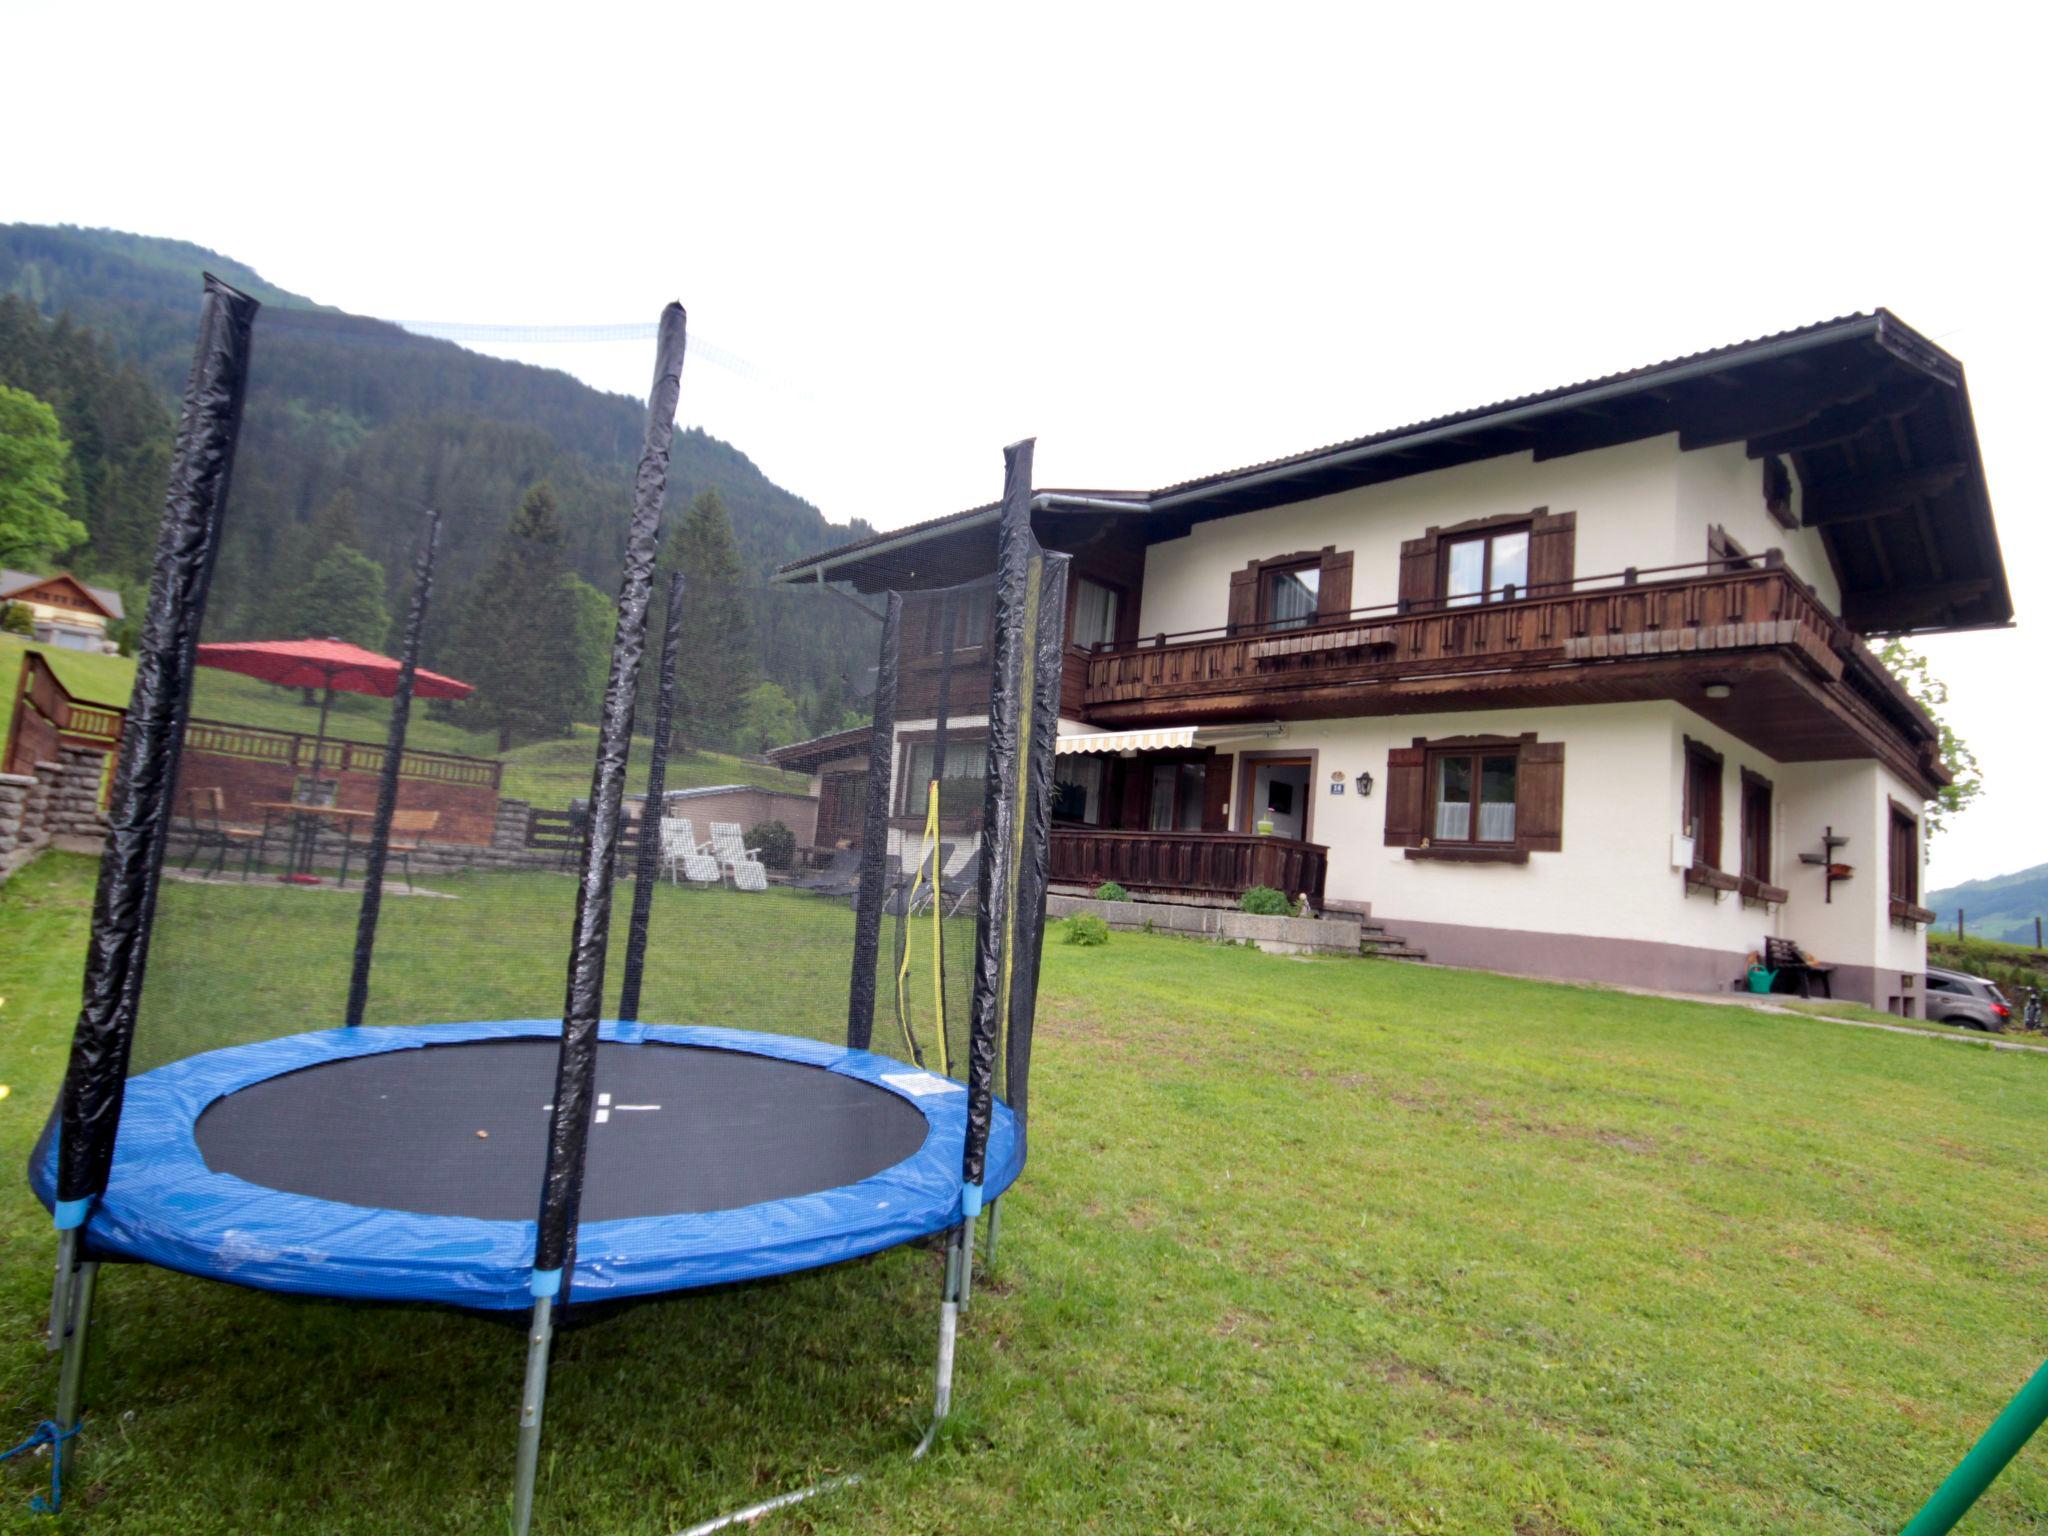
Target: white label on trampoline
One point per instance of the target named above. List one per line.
(921, 1084)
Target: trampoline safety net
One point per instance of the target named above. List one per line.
(495, 929)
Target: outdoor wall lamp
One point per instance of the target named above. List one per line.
(1364, 784)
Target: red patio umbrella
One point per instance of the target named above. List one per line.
(333, 666)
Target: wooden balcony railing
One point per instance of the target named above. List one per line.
(1597, 618)
(1223, 864)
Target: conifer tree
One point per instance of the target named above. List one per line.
(342, 599)
(517, 641)
(715, 668)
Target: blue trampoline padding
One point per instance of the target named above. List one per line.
(164, 1206)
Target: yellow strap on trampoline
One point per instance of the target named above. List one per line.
(927, 850)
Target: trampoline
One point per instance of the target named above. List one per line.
(401, 1163)
(473, 1088)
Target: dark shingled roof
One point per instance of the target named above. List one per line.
(1873, 398)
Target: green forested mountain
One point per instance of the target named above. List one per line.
(354, 425)
(2000, 908)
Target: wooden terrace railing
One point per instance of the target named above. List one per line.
(294, 750)
(1593, 618)
(1223, 864)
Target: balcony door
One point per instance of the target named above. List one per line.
(1276, 790)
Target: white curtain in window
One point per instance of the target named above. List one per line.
(1453, 821)
(1497, 823)
(1465, 574)
(1094, 613)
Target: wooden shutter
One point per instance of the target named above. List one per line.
(1244, 597)
(1216, 795)
(1539, 797)
(1333, 592)
(1418, 572)
(1552, 536)
(1407, 770)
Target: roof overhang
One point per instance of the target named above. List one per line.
(1873, 418)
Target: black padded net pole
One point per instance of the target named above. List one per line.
(144, 782)
(569, 1125)
(647, 868)
(874, 859)
(387, 783)
(1023, 719)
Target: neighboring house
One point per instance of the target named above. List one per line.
(1576, 684)
(64, 610)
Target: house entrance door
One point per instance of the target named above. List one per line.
(1277, 791)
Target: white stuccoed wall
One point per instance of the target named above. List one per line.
(1725, 485)
(1623, 801)
(1856, 927)
(1642, 504)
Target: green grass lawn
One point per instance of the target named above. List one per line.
(1305, 1245)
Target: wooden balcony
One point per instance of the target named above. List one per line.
(1799, 685)
(1602, 617)
(1212, 864)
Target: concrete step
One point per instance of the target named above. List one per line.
(1377, 942)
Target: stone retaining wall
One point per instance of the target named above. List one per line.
(1274, 935)
(58, 800)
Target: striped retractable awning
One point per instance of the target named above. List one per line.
(1155, 740)
(1159, 738)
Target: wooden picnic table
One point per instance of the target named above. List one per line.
(305, 826)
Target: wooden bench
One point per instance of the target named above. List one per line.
(409, 829)
(1792, 966)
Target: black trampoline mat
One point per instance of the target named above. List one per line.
(678, 1129)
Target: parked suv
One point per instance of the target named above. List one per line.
(1958, 998)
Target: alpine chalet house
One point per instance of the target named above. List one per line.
(1576, 684)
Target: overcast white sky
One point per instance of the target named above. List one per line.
(1164, 241)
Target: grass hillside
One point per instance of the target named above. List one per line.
(1304, 1246)
(548, 773)
(2000, 908)
(555, 772)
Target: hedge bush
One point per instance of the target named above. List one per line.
(776, 842)
(1264, 901)
(1109, 890)
(1084, 929)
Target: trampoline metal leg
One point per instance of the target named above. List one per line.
(995, 1227)
(967, 1246)
(959, 1252)
(60, 1290)
(530, 1402)
(71, 1372)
